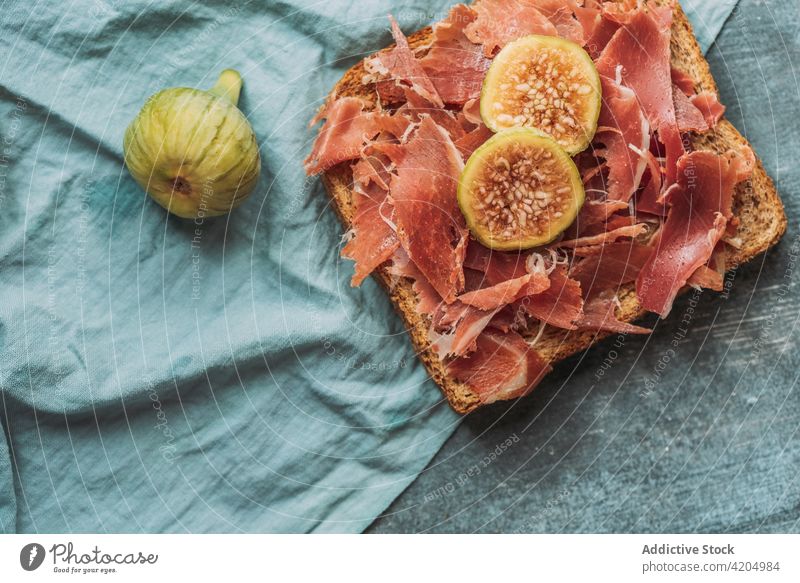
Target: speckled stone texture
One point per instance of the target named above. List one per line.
(694, 429)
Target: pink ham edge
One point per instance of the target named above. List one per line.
(561, 305)
(506, 292)
(599, 314)
(400, 65)
(495, 280)
(477, 135)
(687, 115)
(626, 164)
(710, 107)
(430, 225)
(606, 237)
(503, 366)
(459, 327)
(455, 65)
(499, 22)
(562, 13)
(640, 52)
(416, 106)
(347, 129)
(649, 201)
(374, 241)
(683, 80)
(601, 20)
(705, 277)
(594, 213)
(428, 300)
(614, 266)
(700, 206)
(472, 112)
(468, 143)
(641, 48)
(371, 169)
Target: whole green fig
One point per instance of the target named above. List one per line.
(193, 151)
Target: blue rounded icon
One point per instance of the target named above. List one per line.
(31, 556)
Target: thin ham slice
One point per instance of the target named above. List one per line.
(683, 80)
(712, 275)
(601, 20)
(475, 132)
(650, 199)
(707, 278)
(591, 166)
(641, 48)
(430, 226)
(499, 22)
(605, 237)
(614, 222)
(472, 112)
(621, 11)
(561, 305)
(598, 31)
(594, 213)
(497, 267)
(708, 104)
(428, 300)
(503, 366)
(506, 319)
(506, 292)
(562, 14)
(373, 240)
(456, 328)
(626, 139)
(554, 298)
(688, 116)
(415, 107)
(347, 130)
(670, 136)
(495, 279)
(400, 65)
(615, 265)
(600, 314)
(471, 141)
(591, 19)
(699, 211)
(640, 52)
(371, 169)
(455, 65)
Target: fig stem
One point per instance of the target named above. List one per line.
(228, 86)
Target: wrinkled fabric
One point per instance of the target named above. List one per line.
(708, 18)
(161, 375)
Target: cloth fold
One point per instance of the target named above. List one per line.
(164, 376)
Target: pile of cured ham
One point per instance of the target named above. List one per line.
(656, 212)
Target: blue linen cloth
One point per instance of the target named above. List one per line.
(160, 375)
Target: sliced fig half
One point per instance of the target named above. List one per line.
(519, 190)
(546, 83)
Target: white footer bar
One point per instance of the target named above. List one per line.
(399, 558)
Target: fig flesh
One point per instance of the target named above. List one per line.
(519, 190)
(545, 83)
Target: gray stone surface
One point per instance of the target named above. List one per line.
(710, 446)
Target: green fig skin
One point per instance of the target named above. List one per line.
(193, 151)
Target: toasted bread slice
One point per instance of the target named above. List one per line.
(756, 204)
